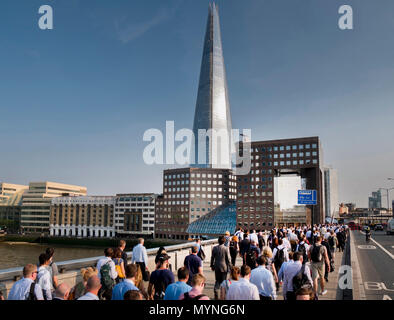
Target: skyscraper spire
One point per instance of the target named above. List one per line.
(212, 107)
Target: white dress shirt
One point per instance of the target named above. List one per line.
(44, 279)
(101, 262)
(139, 255)
(290, 272)
(253, 237)
(21, 289)
(264, 281)
(89, 296)
(242, 290)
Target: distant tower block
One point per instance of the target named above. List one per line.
(212, 107)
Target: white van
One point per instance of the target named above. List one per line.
(390, 226)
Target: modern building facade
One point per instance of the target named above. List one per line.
(11, 204)
(271, 161)
(82, 216)
(188, 195)
(331, 192)
(135, 214)
(375, 202)
(36, 204)
(212, 107)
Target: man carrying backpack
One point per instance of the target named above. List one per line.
(295, 276)
(303, 247)
(318, 255)
(251, 255)
(280, 254)
(107, 274)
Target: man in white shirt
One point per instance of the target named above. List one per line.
(44, 278)
(253, 236)
(22, 289)
(140, 257)
(106, 291)
(263, 280)
(290, 272)
(243, 289)
(92, 287)
(240, 234)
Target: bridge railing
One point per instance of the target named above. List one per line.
(69, 271)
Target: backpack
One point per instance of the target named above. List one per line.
(301, 280)
(106, 281)
(187, 297)
(331, 241)
(316, 255)
(302, 249)
(251, 258)
(279, 258)
(201, 254)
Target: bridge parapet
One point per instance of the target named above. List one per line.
(69, 271)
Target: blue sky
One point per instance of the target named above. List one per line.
(75, 101)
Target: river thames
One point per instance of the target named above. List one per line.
(18, 254)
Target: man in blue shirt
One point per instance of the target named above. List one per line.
(174, 290)
(22, 289)
(128, 284)
(193, 263)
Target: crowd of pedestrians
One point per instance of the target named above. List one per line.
(297, 259)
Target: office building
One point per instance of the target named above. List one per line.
(82, 216)
(375, 202)
(135, 214)
(272, 163)
(11, 205)
(331, 192)
(36, 204)
(188, 195)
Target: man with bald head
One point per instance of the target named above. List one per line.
(92, 287)
(62, 292)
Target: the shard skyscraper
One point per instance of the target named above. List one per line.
(212, 107)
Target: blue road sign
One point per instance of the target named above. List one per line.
(307, 197)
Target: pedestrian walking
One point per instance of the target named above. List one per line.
(198, 284)
(44, 279)
(175, 290)
(128, 284)
(93, 287)
(107, 274)
(301, 272)
(234, 249)
(243, 289)
(160, 279)
(52, 267)
(220, 263)
(119, 265)
(26, 288)
(193, 263)
(263, 280)
(80, 288)
(140, 257)
(318, 256)
(225, 285)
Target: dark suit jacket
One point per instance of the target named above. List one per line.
(220, 258)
